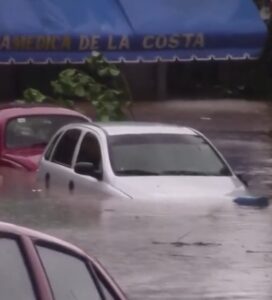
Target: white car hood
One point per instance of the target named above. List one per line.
(179, 186)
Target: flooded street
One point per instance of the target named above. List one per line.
(187, 249)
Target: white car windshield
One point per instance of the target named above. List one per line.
(164, 154)
(35, 131)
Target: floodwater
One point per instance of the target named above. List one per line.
(189, 249)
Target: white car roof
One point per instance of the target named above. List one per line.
(118, 128)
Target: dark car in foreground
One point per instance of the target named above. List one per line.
(25, 131)
(37, 266)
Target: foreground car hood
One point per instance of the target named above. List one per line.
(180, 186)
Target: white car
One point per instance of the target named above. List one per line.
(136, 160)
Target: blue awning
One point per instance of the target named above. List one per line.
(61, 31)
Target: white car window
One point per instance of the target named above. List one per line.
(68, 276)
(90, 151)
(14, 278)
(51, 146)
(65, 148)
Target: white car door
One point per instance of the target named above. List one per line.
(56, 171)
(89, 151)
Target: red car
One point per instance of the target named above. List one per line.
(25, 130)
(37, 266)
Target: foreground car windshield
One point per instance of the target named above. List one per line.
(164, 154)
(31, 131)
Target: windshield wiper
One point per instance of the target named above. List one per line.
(186, 173)
(137, 172)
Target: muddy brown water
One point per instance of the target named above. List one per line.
(209, 249)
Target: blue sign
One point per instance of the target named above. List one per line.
(147, 30)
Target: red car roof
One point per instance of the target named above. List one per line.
(19, 230)
(11, 111)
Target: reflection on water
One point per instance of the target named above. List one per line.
(44, 213)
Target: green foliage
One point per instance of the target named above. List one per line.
(98, 82)
(34, 96)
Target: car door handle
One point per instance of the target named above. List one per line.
(47, 180)
(71, 186)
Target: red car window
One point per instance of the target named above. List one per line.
(33, 131)
(107, 290)
(15, 281)
(68, 276)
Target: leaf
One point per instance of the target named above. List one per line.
(114, 72)
(95, 103)
(80, 91)
(103, 72)
(117, 92)
(32, 95)
(57, 87)
(101, 98)
(67, 73)
(84, 79)
(94, 89)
